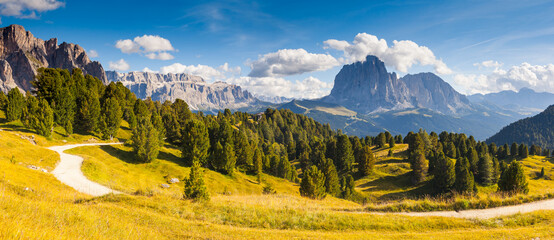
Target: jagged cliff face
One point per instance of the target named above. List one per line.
(21, 54)
(198, 94)
(367, 87)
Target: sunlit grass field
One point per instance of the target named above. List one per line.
(35, 205)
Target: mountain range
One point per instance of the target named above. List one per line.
(22, 54)
(366, 99)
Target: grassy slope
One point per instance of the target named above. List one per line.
(35, 205)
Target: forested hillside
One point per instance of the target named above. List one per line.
(537, 130)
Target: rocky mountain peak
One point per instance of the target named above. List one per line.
(21, 54)
(368, 87)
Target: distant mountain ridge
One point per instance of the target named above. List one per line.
(538, 130)
(368, 87)
(198, 94)
(525, 101)
(21, 55)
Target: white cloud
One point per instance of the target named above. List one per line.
(92, 54)
(208, 73)
(488, 64)
(160, 56)
(148, 70)
(286, 62)
(27, 8)
(308, 88)
(120, 65)
(154, 47)
(536, 77)
(402, 55)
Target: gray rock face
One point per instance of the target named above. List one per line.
(367, 87)
(198, 94)
(21, 54)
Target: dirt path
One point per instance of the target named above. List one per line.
(489, 212)
(69, 171)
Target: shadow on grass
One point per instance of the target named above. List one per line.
(395, 183)
(129, 156)
(391, 161)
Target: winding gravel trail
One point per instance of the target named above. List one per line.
(69, 172)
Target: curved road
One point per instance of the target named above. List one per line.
(69, 172)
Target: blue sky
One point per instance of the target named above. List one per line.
(282, 47)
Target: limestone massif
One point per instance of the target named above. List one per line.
(22, 54)
(199, 94)
(367, 87)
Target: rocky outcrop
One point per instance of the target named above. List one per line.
(21, 54)
(367, 87)
(199, 94)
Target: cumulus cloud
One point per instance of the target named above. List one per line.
(120, 65)
(308, 88)
(402, 55)
(153, 47)
(27, 8)
(208, 73)
(148, 70)
(488, 64)
(92, 54)
(537, 77)
(286, 62)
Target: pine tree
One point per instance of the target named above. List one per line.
(64, 109)
(381, 140)
(473, 159)
(258, 164)
(243, 150)
(16, 104)
(88, 111)
(145, 140)
(196, 142)
(111, 118)
(367, 161)
(391, 142)
(513, 179)
(347, 186)
(419, 168)
(444, 173)
(514, 150)
(464, 177)
(224, 159)
(332, 186)
(486, 170)
(523, 151)
(284, 168)
(3, 101)
(345, 155)
(313, 184)
(194, 185)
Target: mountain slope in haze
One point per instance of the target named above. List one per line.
(198, 94)
(21, 54)
(367, 87)
(538, 130)
(525, 101)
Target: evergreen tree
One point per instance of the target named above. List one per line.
(347, 186)
(196, 142)
(16, 104)
(332, 186)
(464, 177)
(258, 164)
(313, 183)
(38, 116)
(284, 168)
(450, 150)
(224, 158)
(64, 109)
(514, 150)
(381, 140)
(546, 152)
(486, 170)
(88, 111)
(419, 168)
(367, 161)
(444, 173)
(513, 179)
(194, 185)
(473, 159)
(111, 118)
(145, 140)
(391, 142)
(523, 151)
(3, 101)
(345, 155)
(243, 150)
